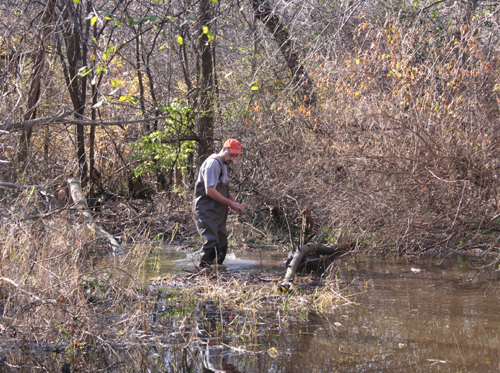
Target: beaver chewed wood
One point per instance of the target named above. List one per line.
(297, 259)
(81, 204)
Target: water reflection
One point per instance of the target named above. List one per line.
(216, 358)
(181, 261)
(445, 318)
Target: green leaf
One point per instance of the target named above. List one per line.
(100, 69)
(206, 31)
(98, 104)
(82, 70)
(180, 40)
(85, 72)
(76, 1)
(255, 86)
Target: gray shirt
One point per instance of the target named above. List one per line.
(210, 172)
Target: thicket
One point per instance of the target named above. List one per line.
(382, 118)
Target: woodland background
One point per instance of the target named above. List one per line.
(376, 120)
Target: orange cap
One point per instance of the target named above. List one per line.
(233, 145)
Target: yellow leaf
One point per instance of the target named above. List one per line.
(180, 40)
(93, 21)
(357, 61)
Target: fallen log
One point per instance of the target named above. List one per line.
(332, 252)
(75, 189)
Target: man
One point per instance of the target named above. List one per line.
(212, 201)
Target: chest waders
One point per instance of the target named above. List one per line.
(210, 218)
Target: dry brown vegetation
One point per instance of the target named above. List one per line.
(387, 132)
(62, 296)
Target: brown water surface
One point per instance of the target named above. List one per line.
(437, 315)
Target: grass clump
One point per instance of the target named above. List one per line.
(240, 306)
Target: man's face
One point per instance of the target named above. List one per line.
(228, 156)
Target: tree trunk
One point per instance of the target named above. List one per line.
(300, 77)
(142, 101)
(76, 57)
(205, 124)
(93, 175)
(34, 91)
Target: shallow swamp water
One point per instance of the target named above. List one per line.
(440, 314)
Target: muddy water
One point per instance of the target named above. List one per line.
(438, 315)
(444, 318)
(441, 314)
(179, 261)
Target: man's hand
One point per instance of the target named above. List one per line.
(231, 202)
(235, 206)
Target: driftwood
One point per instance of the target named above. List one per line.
(310, 248)
(81, 204)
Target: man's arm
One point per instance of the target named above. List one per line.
(231, 202)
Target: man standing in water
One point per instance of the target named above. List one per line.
(212, 201)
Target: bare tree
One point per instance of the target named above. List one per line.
(34, 90)
(275, 25)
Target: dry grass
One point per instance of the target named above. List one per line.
(235, 305)
(55, 289)
(61, 289)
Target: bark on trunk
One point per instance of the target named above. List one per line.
(205, 125)
(75, 189)
(74, 32)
